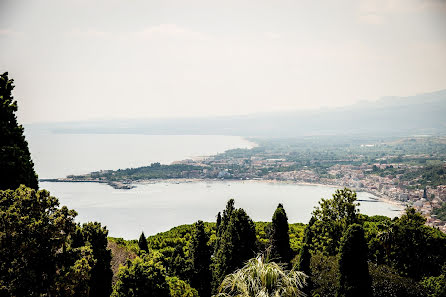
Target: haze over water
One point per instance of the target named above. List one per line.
(58, 155)
(159, 206)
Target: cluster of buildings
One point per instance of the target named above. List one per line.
(361, 177)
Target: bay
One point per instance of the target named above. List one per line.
(58, 155)
(157, 207)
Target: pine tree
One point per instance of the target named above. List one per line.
(15, 159)
(280, 239)
(354, 277)
(142, 243)
(141, 278)
(36, 258)
(200, 254)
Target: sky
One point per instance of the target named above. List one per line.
(75, 60)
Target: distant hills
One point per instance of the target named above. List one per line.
(423, 114)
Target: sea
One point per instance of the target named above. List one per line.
(157, 206)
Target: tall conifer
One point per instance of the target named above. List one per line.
(236, 243)
(354, 277)
(16, 166)
(200, 254)
(280, 239)
(142, 243)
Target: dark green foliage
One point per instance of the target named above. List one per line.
(179, 288)
(354, 277)
(200, 255)
(440, 213)
(304, 261)
(95, 236)
(416, 249)
(235, 244)
(141, 279)
(305, 254)
(435, 286)
(431, 175)
(35, 254)
(16, 166)
(179, 264)
(386, 282)
(331, 218)
(142, 243)
(324, 275)
(218, 220)
(280, 239)
(154, 171)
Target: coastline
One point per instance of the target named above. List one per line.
(134, 184)
(379, 196)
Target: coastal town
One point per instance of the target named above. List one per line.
(410, 176)
(357, 177)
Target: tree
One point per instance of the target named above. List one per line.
(236, 242)
(417, 250)
(280, 239)
(200, 254)
(95, 236)
(304, 261)
(35, 253)
(141, 279)
(261, 278)
(142, 243)
(179, 265)
(179, 288)
(332, 218)
(15, 159)
(73, 278)
(218, 220)
(354, 277)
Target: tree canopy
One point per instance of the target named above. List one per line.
(280, 239)
(38, 256)
(331, 218)
(354, 277)
(15, 159)
(235, 244)
(200, 255)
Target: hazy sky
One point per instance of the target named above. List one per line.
(88, 59)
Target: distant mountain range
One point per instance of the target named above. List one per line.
(423, 114)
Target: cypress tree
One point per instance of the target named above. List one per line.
(15, 159)
(280, 239)
(236, 243)
(354, 277)
(142, 243)
(200, 254)
(95, 236)
(305, 255)
(305, 258)
(218, 220)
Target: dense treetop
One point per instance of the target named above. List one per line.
(15, 159)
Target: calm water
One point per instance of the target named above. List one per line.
(160, 206)
(58, 155)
